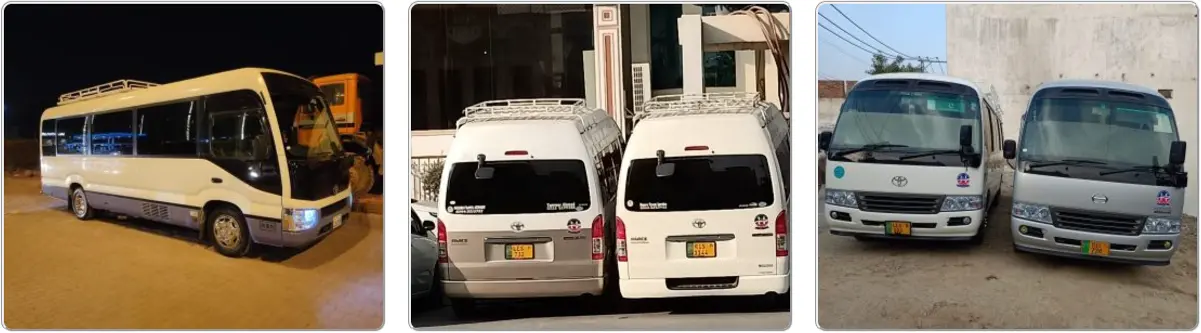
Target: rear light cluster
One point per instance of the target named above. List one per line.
(598, 238)
(782, 234)
(442, 255)
(621, 241)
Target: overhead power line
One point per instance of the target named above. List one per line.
(844, 15)
(877, 51)
(844, 52)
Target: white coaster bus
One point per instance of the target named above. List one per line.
(247, 157)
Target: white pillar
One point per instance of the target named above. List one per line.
(610, 90)
(693, 53)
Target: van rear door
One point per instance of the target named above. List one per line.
(532, 219)
(714, 216)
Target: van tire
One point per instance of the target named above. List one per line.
(463, 307)
(237, 243)
(433, 300)
(82, 210)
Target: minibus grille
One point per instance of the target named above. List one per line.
(899, 203)
(1105, 223)
(334, 208)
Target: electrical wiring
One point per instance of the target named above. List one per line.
(773, 33)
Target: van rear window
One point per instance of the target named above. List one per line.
(718, 182)
(518, 187)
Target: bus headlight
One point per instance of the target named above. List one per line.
(300, 219)
(1036, 213)
(961, 203)
(841, 198)
(1160, 225)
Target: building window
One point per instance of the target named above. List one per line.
(112, 133)
(167, 130)
(667, 56)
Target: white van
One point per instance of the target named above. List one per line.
(525, 192)
(913, 156)
(704, 194)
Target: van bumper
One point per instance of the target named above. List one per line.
(524, 288)
(747, 286)
(871, 224)
(1048, 244)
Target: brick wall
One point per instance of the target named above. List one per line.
(833, 89)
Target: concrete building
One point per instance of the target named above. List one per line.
(1016, 47)
(614, 56)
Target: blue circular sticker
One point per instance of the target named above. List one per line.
(839, 172)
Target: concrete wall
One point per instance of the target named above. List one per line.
(1016, 47)
(21, 154)
(827, 111)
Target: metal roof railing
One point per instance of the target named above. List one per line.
(97, 91)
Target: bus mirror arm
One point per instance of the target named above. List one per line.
(823, 140)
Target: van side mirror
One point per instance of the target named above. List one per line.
(965, 138)
(427, 225)
(484, 173)
(665, 170)
(1010, 148)
(823, 140)
(1176, 153)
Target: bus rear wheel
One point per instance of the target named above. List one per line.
(79, 205)
(229, 233)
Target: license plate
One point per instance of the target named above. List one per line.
(702, 249)
(337, 221)
(519, 251)
(1095, 248)
(897, 228)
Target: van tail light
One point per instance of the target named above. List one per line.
(782, 234)
(598, 238)
(442, 255)
(621, 241)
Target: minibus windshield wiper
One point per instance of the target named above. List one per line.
(930, 153)
(1151, 168)
(1067, 162)
(868, 148)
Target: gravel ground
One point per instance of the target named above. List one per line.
(918, 285)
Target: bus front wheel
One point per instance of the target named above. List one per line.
(229, 233)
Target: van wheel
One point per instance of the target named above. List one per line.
(229, 232)
(463, 307)
(79, 205)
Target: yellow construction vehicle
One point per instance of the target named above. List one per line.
(350, 97)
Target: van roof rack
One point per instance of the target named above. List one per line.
(708, 103)
(97, 91)
(533, 109)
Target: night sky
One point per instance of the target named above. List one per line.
(53, 49)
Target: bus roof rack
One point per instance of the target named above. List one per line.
(708, 103)
(111, 88)
(533, 109)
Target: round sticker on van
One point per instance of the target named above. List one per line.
(839, 172)
(573, 226)
(629, 203)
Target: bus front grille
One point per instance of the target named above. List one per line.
(1105, 223)
(899, 203)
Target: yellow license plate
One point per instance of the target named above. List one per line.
(898, 228)
(1095, 248)
(702, 249)
(519, 251)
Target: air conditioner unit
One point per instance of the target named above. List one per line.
(641, 77)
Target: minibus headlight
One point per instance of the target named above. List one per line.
(1032, 212)
(1160, 225)
(961, 203)
(300, 219)
(841, 198)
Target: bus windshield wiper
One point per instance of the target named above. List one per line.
(1066, 161)
(930, 153)
(1151, 168)
(867, 147)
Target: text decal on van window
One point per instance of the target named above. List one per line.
(652, 205)
(555, 207)
(476, 209)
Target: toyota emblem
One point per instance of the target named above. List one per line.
(517, 226)
(900, 181)
(698, 223)
(1100, 198)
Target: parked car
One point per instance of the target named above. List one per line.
(425, 284)
(426, 211)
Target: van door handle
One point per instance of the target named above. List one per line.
(216, 180)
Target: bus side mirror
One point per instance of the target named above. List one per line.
(965, 138)
(1177, 153)
(823, 140)
(1010, 148)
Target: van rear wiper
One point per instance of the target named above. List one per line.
(1066, 161)
(930, 153)
(867, 147)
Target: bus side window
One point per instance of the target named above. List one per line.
(48, 135)
(71, 136)
(233, 121)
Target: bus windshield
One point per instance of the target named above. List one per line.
(306, 124)
(1115, 133)
(905, 120)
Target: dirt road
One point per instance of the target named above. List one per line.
(908, 285)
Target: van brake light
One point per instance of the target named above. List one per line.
(693, 148)
(782, 234)
(442, 255)
(598, 238)
(516, 153)
(621, 241)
